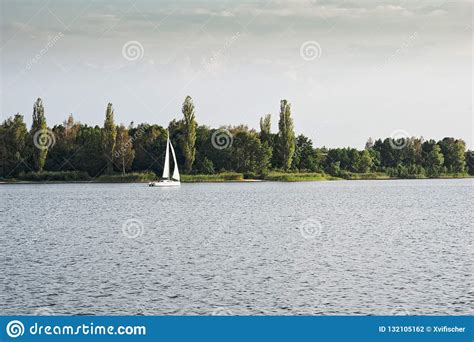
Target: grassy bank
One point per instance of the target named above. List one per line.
(78, 176)
(297, 177)
(143, 177)
(304, 177)
(221, 177)
(53, 176)
(455, 175)
(136, 177)
(365, 176)
(314, 176)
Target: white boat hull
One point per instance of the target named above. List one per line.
(165, 183)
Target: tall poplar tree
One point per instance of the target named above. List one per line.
(265, 128)
(189, 133)
(124, 153)
(286, 135)
(40, 135)
(109, 134)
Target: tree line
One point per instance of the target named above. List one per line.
(114, 149)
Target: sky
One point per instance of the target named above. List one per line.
(350, 69)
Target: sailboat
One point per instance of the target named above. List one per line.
(166, 180)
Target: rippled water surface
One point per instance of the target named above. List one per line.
(348, 247)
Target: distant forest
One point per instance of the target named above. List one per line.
(117, 149)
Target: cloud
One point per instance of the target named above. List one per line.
(209, 12)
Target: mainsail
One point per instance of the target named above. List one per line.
(175, 171)
(166, 168)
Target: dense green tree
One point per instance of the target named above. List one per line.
(365, 161)
(453, 152)
(204, 151)
(222, 158)
(286, 135)
(267, 138)
(89, 156)
(61, 154)
(208, 155)
(411, 154)
(149, 143)
(205, 166)
(459, 159)
(470, 162)
(389, 156)
(189, 133)
(426, 148)
(434, 161)
(248, 153)
(109, 136)
(334, 168)
(354, 160)
(13, 138)
(350, 160)
(266, 128)
(42, 138)
(305, 157)
(375, 156)
(340, 155)
(124, 153)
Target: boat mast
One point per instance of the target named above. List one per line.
(166, 168)
(168, 142)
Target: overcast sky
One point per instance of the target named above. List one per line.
(350, 69)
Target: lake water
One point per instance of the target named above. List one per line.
(316, 248)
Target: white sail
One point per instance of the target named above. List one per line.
(167, 181)
(166, 168)
(175, 171)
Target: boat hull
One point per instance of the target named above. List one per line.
(164, 183)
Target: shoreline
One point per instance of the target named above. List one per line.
(3, 182)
